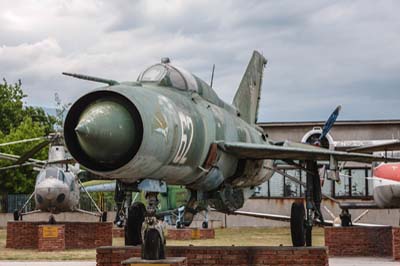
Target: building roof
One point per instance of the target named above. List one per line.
(337, 123)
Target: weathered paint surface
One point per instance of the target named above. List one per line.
(179, 126)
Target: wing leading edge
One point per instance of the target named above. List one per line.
(297, 152)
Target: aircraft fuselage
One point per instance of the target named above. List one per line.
(131, 132)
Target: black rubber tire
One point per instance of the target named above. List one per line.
(297, 228)
(16, 215)
(133, 227)
(152, 248)
(104, 217)
(204, 225)
(345, 220)
(308, 236)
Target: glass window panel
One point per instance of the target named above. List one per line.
(358, 182)
(154, 73)
(177, 80)
(370, 183)
(343, 189)
(263, 190)
(190, 80)
(51, 172)
(303, 179)
(41, 176)
(61, 175)
(327, 187)
(276, 185)
(292, 189)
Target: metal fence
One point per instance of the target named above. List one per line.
(104, 200)
(16, 201)
(11, 202)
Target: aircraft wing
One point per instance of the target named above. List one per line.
(392, 145)
(286, 218)
(295, 151)
(274, 217)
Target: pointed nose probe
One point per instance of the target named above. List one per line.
(106, 131)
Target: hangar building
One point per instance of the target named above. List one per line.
(277, 195)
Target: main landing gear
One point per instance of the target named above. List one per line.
(302, 220)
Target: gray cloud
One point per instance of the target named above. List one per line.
(320, 53)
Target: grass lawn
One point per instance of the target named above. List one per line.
(223, 237)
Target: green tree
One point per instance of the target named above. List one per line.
(11, 106)
(16, 123)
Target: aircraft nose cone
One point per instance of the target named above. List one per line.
(106, 131)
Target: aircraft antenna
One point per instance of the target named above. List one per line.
(212, 75)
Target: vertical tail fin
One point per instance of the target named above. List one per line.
(247, 96)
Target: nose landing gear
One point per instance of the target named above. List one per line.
(153, 247)
(143, 227)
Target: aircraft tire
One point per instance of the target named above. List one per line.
(204, 225)
(308, 236)
(133, 227)
(104, 217)
(16, 215)
(297, 227)
(152, 248)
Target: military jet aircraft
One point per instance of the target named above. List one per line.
(57, 186)
(170, 127)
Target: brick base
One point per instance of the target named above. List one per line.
(179, 234)
(190, 233)
(118, 232)
(224, 256)
(396, 243)
(180, 261)
(200, 233)
(359, 241)
(51, 237)
(84, 235)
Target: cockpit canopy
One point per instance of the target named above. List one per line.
(51, 172)
(167, 75)
(164, 74)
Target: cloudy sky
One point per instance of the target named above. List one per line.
(320, 53)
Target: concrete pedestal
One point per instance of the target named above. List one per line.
(171, 261)
(51, 237)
